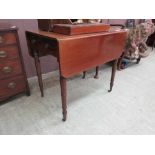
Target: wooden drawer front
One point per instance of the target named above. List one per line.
(10, 68)
(7, 38)
(12, 86)
(8, 52)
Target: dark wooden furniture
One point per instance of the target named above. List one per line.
(76, 53)
(70, 29)
(151, 39)
(47, 24)
(12, 74)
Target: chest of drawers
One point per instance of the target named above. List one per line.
(13, 78)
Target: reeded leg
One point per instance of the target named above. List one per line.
(97, 71)
(63, 97)
(113, 74)
(84, 75)
(38, 69)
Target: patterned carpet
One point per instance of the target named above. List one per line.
(128, 109)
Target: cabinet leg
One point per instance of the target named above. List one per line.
(38, 69)
(84, 75)
(63, 97)
(97, 71)
(113, 75)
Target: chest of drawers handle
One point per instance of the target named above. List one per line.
(12, 85)
(7, 69)
(3, 54)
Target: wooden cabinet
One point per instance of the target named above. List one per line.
(151, 39)
(13, 78)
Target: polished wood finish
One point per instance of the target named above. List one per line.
(89, 52)
(12, 86)
(74, 29)
(8, 52)
(38, 69)
(63, 97)
(84, 75)
(7, 38)
(114, 66)
(12, 73)
(97, 71)
(77, 53)
(47, 24)
(10, 68)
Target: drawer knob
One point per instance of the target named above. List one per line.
(12, 85)
(7, 69)
(1, 39)
(3, 54)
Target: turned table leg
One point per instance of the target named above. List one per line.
(63, 97)
(84, 75)
(38, 69)
(97, 71)
(113, 74)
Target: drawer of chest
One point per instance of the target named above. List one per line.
(12, 86)
(7, 38)
(8, 52)
(10, 68)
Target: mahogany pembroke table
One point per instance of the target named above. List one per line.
(76, 53)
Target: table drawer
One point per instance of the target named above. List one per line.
(10, 68)
(8, 52)
(7, 38)
(12, 86)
